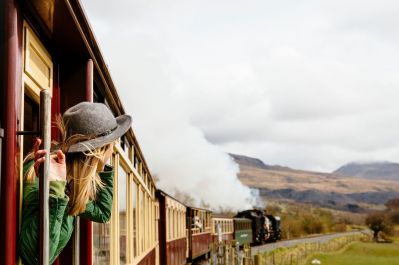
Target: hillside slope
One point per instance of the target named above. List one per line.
(371, 170)
(324, 189)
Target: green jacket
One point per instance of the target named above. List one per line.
(61, 224)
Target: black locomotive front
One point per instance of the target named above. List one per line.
(265, 228)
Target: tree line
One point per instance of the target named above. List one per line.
(383, 223)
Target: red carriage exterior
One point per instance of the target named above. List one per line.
(198, 232)
(172, 230)
(49, 44)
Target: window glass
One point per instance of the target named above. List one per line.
(142, 223)
(147, 222)
(135, 160)
(31, 123)
(134, 210)
(122, 179)
(97, 96)
(101, 239)
(101, 246)
(168, 219)
(173, 223)
(156, 222)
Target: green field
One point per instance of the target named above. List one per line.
(361, 253)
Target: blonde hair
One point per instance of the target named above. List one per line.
(82, 169)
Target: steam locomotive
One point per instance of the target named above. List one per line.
(265, 227)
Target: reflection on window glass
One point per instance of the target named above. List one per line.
(142, 222)
(122, 177)
(147, 223)
(134, 209)
(101, 238)
(101, 246)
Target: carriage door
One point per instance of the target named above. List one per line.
(37, 75)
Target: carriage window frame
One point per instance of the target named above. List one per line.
(142, 224)
(31, 86)
(33, 50)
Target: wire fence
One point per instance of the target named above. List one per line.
(230, 254)
(233, 254)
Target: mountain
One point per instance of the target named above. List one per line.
(371, 170)
(255, 162)
(331, 190)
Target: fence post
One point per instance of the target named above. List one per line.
(258, 260)
(238, 253)
(247, 254)
(225, 254)
(213, 254)
(233, 253)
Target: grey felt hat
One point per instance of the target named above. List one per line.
(95, 120)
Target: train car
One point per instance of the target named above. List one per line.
(258, 224)
(242, 231)
(222, 229)
(198, 233)
(265, 228)
(172, 230)
(48, 44)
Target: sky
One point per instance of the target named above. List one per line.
(306, 84)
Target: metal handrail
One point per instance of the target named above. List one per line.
(44, 186)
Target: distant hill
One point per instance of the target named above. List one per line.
(255, 162)
(373, 170)
(335, 191)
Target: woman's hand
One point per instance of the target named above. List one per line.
(57, 162)
(57, 167)
(107, 155)
(39, 155)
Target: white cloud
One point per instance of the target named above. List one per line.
(308, 84)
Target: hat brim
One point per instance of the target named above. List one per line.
(123, 125)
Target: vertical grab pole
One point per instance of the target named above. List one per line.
(44, 189)
(1, 149)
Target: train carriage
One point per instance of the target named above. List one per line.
(198, 232)
(48, 44)
(172, 230)
(222, 229)
(242, 231)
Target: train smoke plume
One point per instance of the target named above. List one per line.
(184, 161)
(153, 90)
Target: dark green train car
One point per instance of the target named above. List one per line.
(243, 231)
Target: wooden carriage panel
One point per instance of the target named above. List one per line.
(225, 237)
(149, 259)
(176, 252)
(200, 244)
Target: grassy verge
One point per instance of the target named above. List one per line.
(362, 253)
(300, 254)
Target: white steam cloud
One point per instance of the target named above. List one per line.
(177, 151)
(307, 84)
(179, 154)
